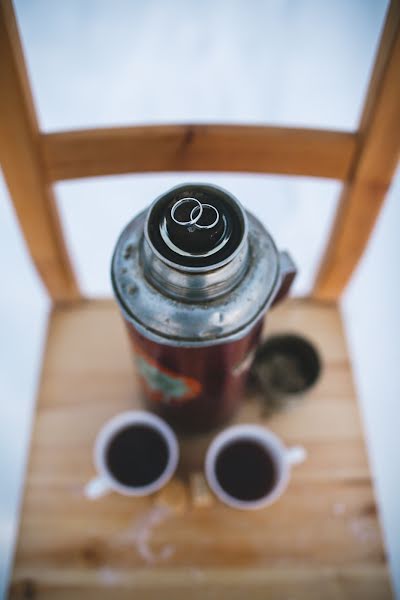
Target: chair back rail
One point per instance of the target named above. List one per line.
(365, 160)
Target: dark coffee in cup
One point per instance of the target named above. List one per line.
(245, 470)
(137, 455)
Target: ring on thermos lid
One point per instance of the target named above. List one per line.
(181, 204)
(207, 215)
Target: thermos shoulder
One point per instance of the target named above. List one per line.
(151, 305)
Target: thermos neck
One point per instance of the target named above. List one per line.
(194, 285)
(195, 243)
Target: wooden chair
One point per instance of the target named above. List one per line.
(322, 538)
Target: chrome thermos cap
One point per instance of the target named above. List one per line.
(195, 268)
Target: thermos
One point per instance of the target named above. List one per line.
(194, 276)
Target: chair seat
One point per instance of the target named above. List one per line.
(320, 540)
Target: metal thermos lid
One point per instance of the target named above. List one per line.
(195, 268)
(196, 228)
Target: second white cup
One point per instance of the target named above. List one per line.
(248, 467)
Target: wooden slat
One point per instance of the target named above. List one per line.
(376, 160)
(320, 540)
(21, 162)
(242, 148)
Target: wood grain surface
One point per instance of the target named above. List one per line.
(23, 169)
(320, 540)
(376, 160)
(191, 147)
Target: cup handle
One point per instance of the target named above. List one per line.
(96, 488)
(296, 455)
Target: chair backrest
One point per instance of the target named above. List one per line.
(365, 160)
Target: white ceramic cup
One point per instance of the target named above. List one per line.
(105, 481)
(282, 457)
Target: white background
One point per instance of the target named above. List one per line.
(293, 62)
